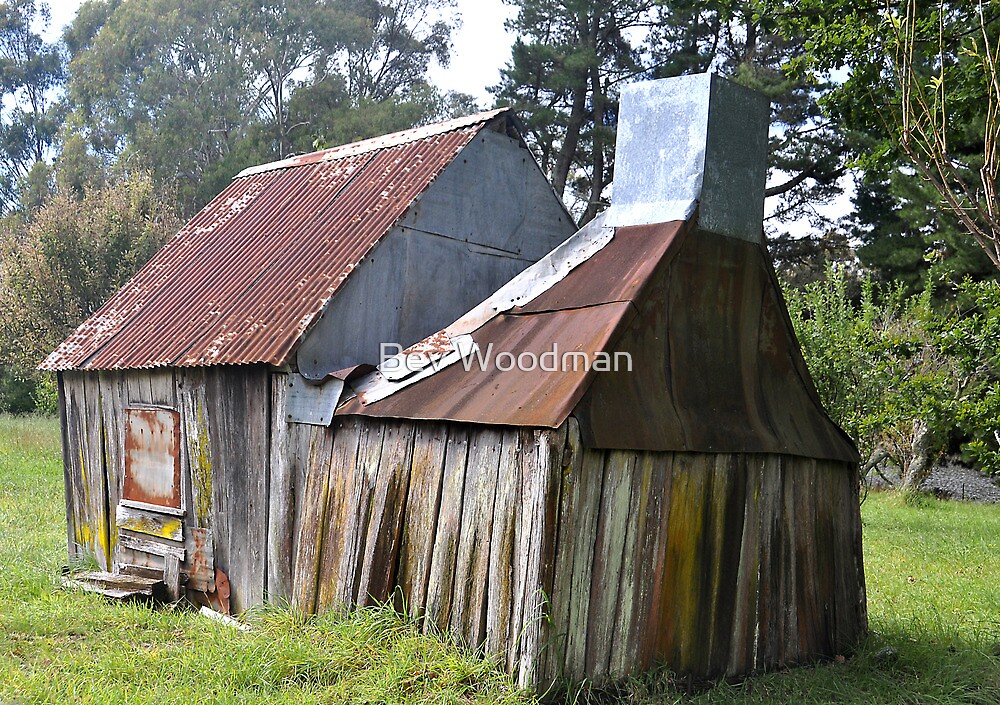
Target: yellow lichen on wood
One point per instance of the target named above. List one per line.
(201, 470)
(164, 528)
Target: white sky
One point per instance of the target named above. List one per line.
(481, 45)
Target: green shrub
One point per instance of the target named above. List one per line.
(903, 375)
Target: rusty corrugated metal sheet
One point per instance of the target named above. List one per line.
(580, 313)
(715, 363)
(489, 394)
(246, 277)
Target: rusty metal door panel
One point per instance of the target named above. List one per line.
(152, 457)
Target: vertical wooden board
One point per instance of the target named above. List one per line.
(97, 472)
(789, 654)
(825, 560)
(468, 613)
(592, 476)
(70, 413)
(113, 401)
(92, 527)
(358, 498)
(195, 466)
(385, 523)
(620, 647)
(525, 465)
(341, 465)
(300, 438)
(809, 591)
(541, 483)
(609, 553)
(258, 449)
(162, 387)
(769, 636)
(310, 529)
(449, 523)
(500, 587)
(683, 598)
(637, 574)
(728, 502)
(741, 652)
(281, 499)
(421, 516)
(567, 538)
(68, 477)
(196, 446)
(239, 424)
(653, 555)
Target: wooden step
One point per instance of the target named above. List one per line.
(117, 586)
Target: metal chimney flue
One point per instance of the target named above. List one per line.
(691, 142)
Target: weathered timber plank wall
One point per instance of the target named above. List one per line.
(563, 561)
(570, 562)
(225, 459)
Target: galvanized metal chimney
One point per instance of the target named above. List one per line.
(690, 142)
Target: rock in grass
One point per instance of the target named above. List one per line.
(885, 655)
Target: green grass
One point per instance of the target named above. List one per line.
(933, 585)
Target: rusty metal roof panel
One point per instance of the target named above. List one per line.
(714, 365)
(247, 276)
(481, 389)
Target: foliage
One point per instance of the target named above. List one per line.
(905, 237)
(566, 65)
(900, 377)
(919, 94)
(59, 267)
(573, 55)
(30, 69)
(197, 90)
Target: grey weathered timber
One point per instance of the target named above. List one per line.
(485, 218)
(468, 614)
(421, 515)
(311, 522)
(148, 545)
(383, 536)
(500, 580)
(441, 579)
(281, 498)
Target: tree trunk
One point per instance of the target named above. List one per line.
(920, 465)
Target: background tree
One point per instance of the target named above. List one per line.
(30, 70)
(72, 256)
(916, 99)
(198, 90)
(573, 55)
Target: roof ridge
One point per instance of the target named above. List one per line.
(394, 139)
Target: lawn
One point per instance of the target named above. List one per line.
(934, 603)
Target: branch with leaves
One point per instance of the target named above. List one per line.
(923, 120)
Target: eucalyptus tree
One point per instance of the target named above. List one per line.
(30, 71)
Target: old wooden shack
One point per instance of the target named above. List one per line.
(671, 492)
(181, 396)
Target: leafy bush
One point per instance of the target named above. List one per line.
(63, 263)
(902, 375)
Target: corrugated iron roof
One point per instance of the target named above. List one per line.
(716, 367)
(248, 275)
